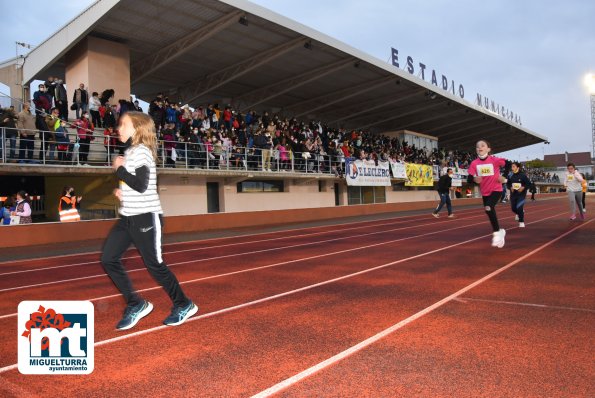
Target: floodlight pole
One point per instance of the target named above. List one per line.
(593, 124)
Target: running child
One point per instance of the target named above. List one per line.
(485, 171)
(518, 184)
(140, 223)
(573, 186)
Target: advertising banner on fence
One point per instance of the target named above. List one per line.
(398, 170)
(365, 173)
(419, 175)
(459, 175)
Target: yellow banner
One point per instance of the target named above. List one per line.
(419, 175)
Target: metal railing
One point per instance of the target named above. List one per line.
(35, 147)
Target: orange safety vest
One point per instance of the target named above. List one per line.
(71, 214)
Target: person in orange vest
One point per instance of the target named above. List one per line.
(69, 206)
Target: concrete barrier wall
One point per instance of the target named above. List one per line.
(64, 233)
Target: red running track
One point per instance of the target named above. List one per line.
(405, 306)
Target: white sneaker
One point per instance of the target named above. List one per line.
(436, 215)
(451, 216)
(584, 210)
(498, 238)
(521, 225)
(516, 217)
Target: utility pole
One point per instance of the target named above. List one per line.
(590, 83)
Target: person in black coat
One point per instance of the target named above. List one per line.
(444, 187)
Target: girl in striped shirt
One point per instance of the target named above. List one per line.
(140, 223)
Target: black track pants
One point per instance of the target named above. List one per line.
(491, 202)
(144, 230)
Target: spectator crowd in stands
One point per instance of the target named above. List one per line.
(540, 175)
(207, 136)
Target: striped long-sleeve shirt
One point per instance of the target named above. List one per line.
(139, 197)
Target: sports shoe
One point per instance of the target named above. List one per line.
(516, 218)
(584, 210)
(451, 216)
(180, 314)
(572, 218)
(521, 225)
(435, 214)
(133, 314)
(498, 238)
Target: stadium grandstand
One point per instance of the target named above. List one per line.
(254, 112)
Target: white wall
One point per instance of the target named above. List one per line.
(409, 196)
(298, 194)
(182, 194)
(187, 195)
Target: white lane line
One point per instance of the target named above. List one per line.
(103, 275)
(371, 340)
(269, 298)
(280, 263)
(546, 306)
(398, 222)
(237, 236)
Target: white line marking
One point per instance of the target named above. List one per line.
(224, 245)
(371, 340)
(237, 236)
(269, 298)
(104, 275)
(233, 244)
(279, 264)
(554, 307)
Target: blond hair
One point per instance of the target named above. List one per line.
(144, 131)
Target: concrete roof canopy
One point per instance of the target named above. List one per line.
(235, 52)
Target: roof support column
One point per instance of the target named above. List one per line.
(11, 75)
(100, 65)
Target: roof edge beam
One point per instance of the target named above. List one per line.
(220, 77)
(347, 93)
(428, 119)
(278, 88)
(412, 112)
(454, 123)
(373, 108)
(150, 64)
(466, 137)
(465, 128)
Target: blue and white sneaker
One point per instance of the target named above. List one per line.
(180, 314)
(133, 314)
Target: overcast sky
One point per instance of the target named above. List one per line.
(530, 56)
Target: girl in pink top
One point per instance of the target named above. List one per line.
(486, 172)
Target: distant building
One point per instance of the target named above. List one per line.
(582, 161)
